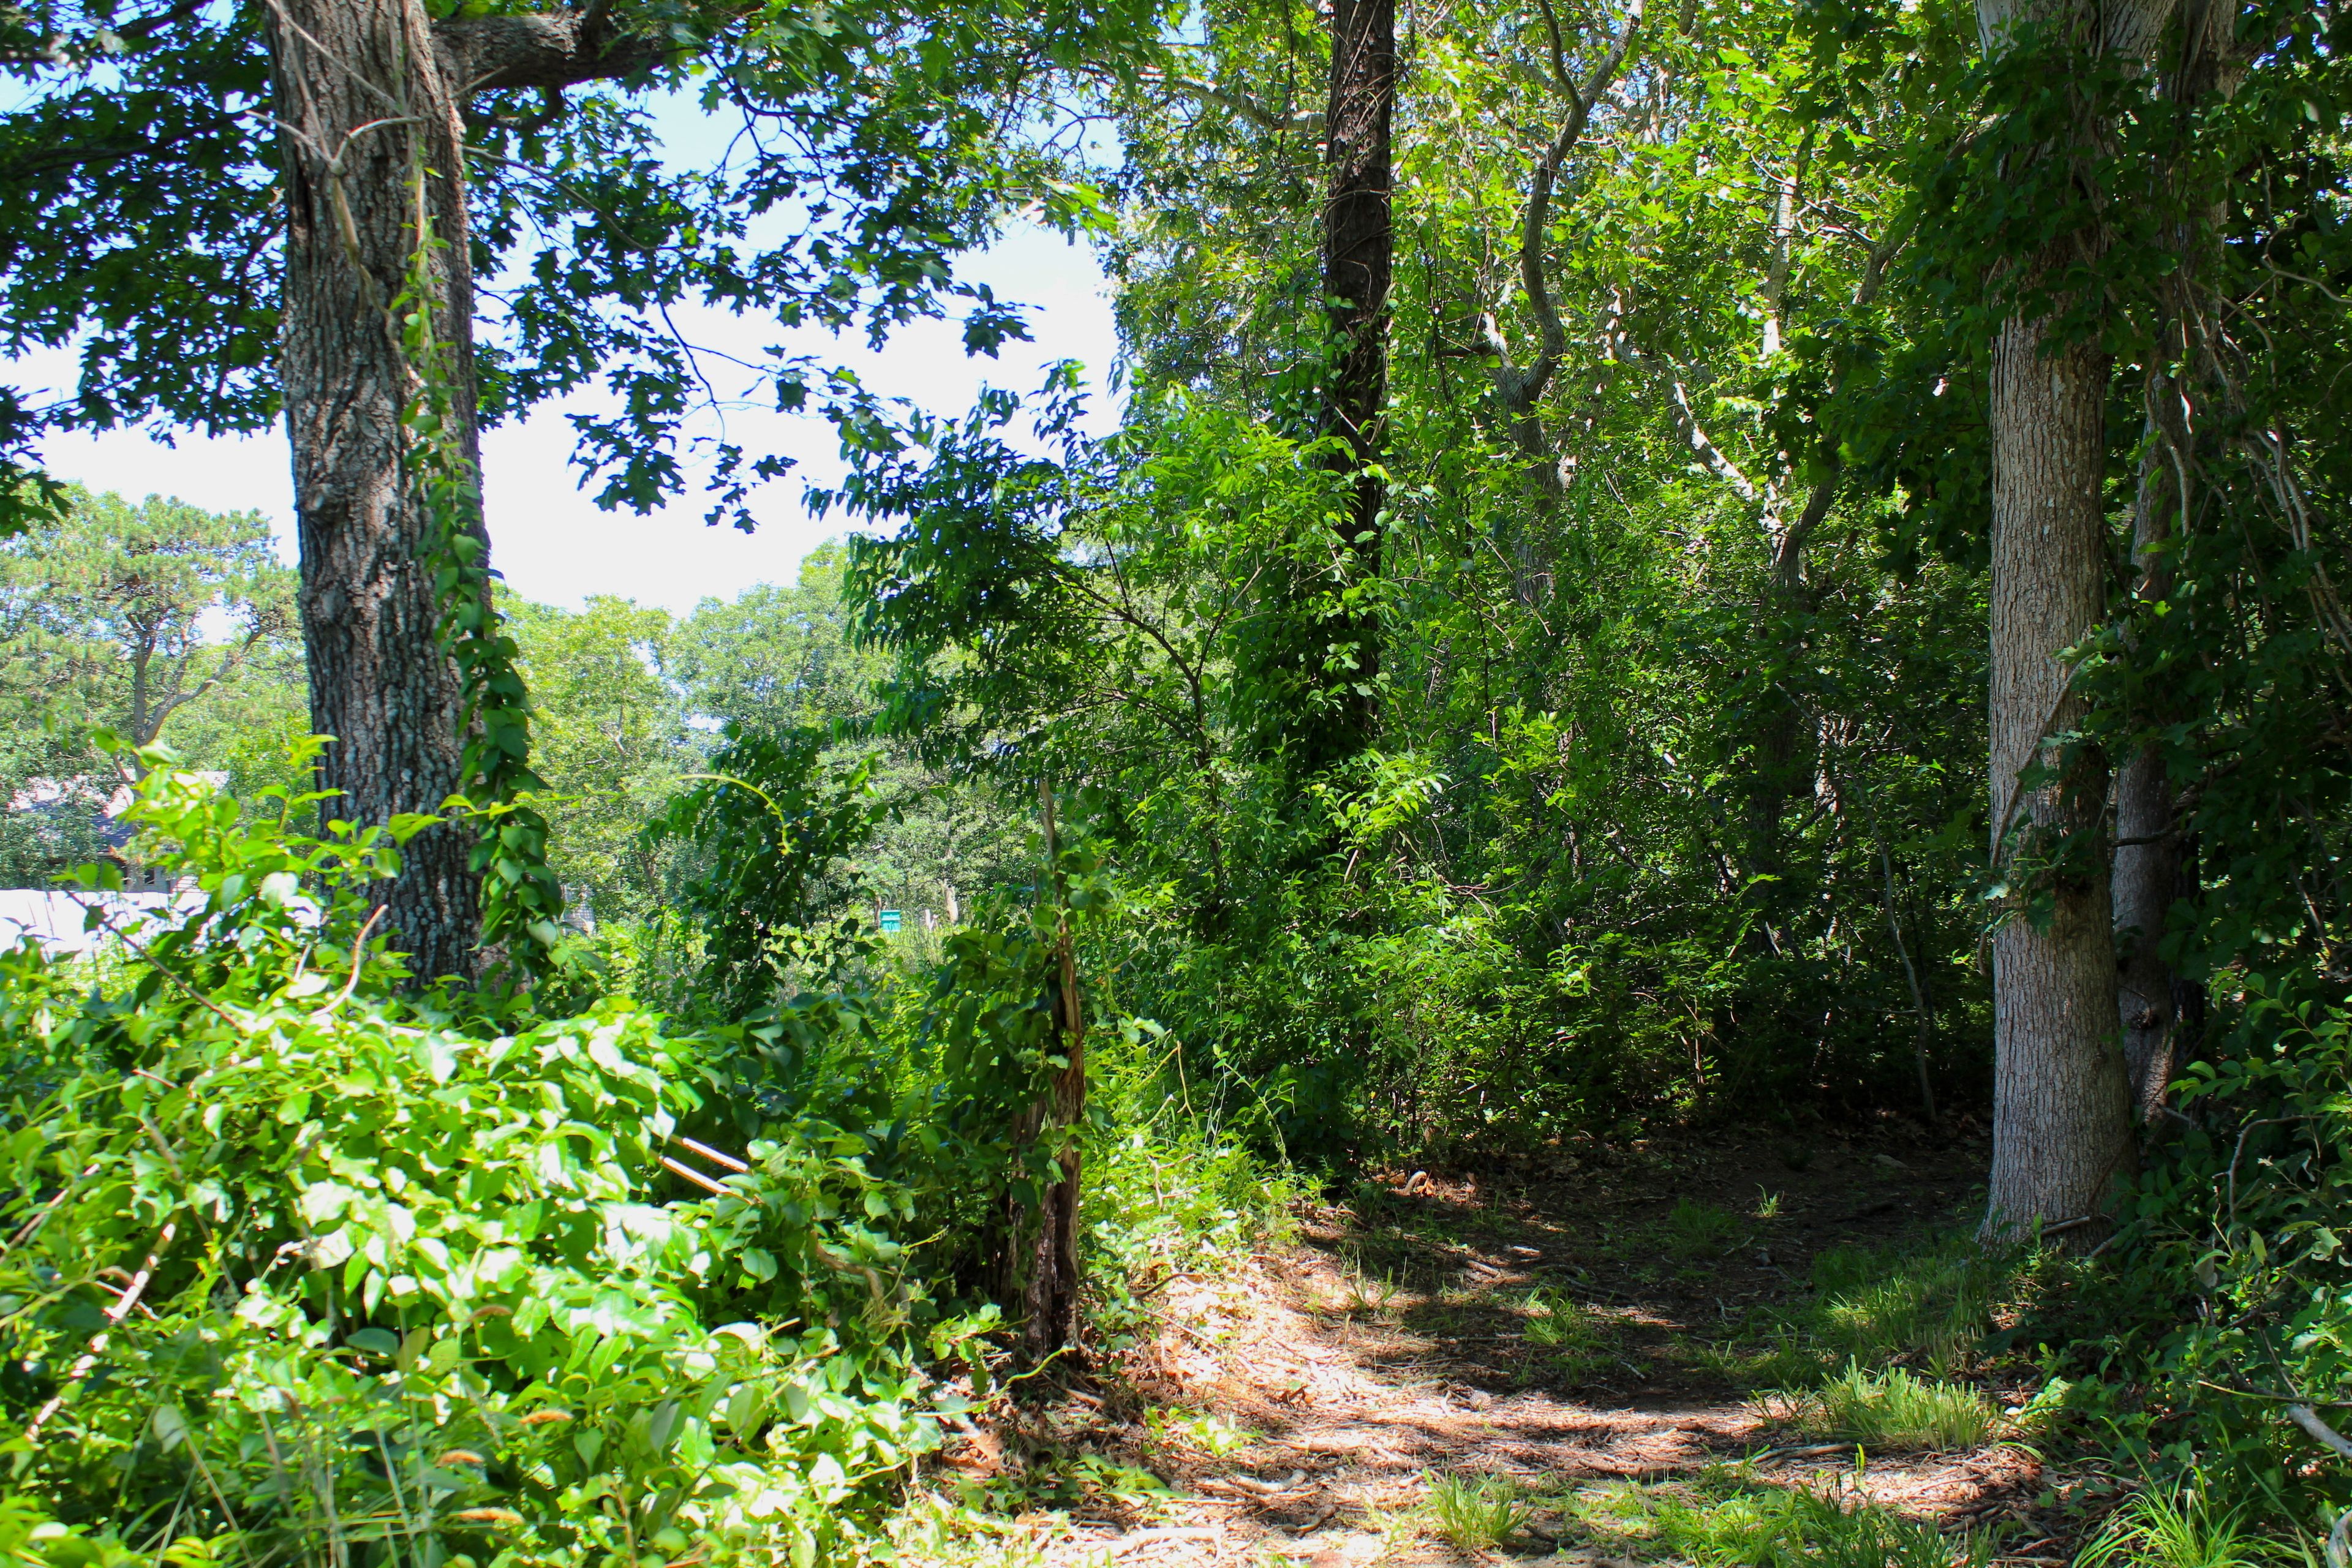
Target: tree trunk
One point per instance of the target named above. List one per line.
(1358, 241)
(1037, 1260)
(2060, 1131)
(2153, 868)
(365, 114)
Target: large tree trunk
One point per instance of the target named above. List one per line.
(1358, 241)
(2061, 1131)
(366, 114)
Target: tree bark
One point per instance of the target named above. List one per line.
(365, 114)
(1358, 243)
(2153, 868)
(370, 99)
(2060, 1132)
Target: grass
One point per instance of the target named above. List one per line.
(1557, 1324)
(1893, 1410)
(1782, 1362)
(2179, 1529)
(1932, 1303)
(1726, 1521)
(1473, 1513)
(1694, 1230)
(1370, 1298)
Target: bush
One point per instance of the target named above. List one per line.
(302, 1266)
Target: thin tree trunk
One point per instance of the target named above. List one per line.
(1038, 1263)
(2147, 848)
(2153, 868)
(365, 114)
(1926, 1036)
(1358, 243)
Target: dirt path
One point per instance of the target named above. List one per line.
(1563, 1333)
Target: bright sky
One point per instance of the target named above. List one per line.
(549, 539)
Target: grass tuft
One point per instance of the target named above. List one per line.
(1893, 1410)
(1722, 1525)
(1878, 1306)
(1694, 1230)
(2178, 1529)
(1473, 1513)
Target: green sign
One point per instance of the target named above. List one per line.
(889, 919)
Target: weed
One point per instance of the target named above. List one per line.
(2178, 1528)
(1695, 1228)
(1768, 1205)
(1893, 1409)
(1368, 1297)
(1211, 1434)
(1473, 1513)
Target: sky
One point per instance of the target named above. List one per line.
(548, 537)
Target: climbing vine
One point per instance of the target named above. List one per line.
(521, 900)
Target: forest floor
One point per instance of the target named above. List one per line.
(1585, 1332)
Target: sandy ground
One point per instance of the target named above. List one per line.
(1298, 1406)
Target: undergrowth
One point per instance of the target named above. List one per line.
(306, 1266)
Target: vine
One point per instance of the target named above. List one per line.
(521, 900)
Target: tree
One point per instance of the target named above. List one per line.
(284, 208)
(2061, 1135)
(611, 744)
(110, 610)
(1358, 245)
(777, 657)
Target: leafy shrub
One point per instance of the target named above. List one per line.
(405, 1281)
(2229, 1290)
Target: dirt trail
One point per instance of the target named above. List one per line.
(1558, 1332)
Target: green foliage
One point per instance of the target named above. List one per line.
(908, 120)
(103, 606)
(2229, 1294)
(608, 737)
(412, 1280)
(769, 822)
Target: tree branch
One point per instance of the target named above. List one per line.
(548, 51)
